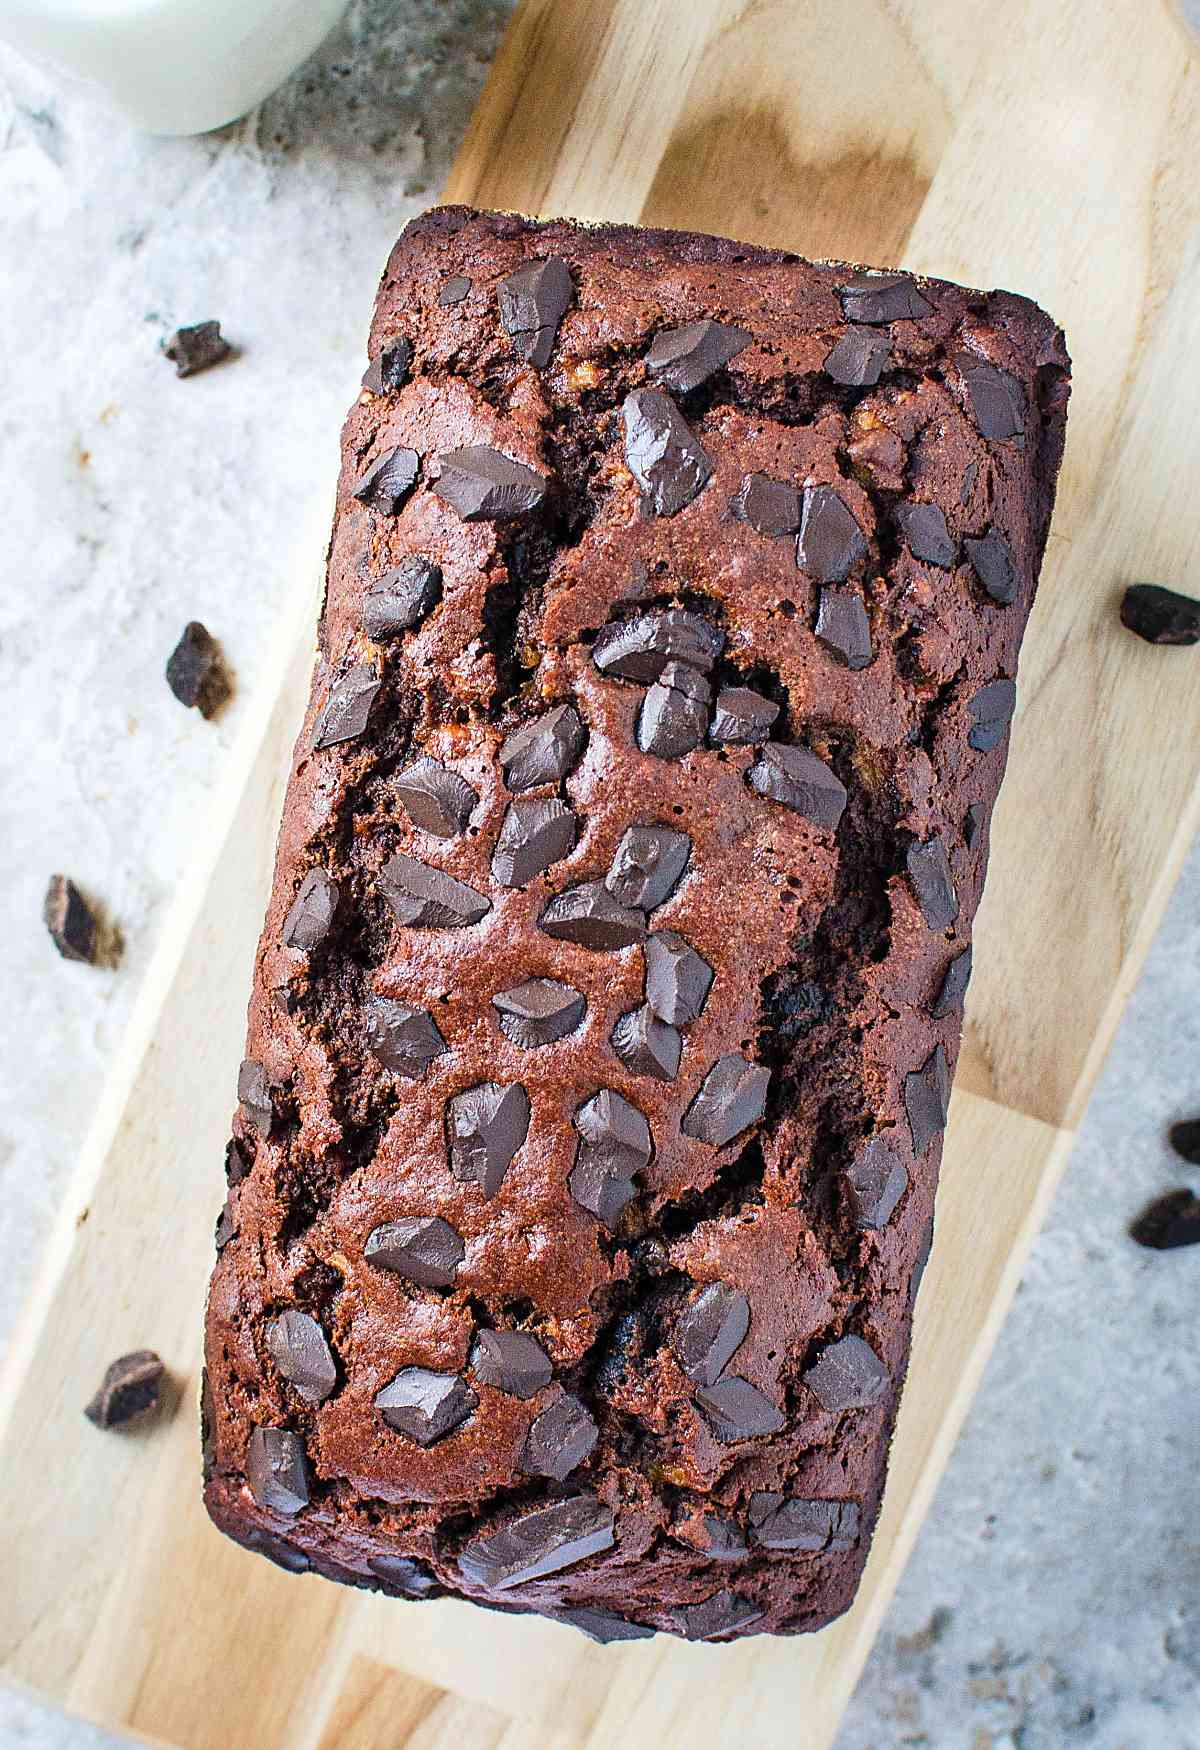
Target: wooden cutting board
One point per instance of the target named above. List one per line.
(1049, 146)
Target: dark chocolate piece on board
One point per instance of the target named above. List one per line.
(132, 1387)
(423, 1248)
(196, 348)
(402, 598)
(486, 1127)
(662, 452)
(927, 1099)
(848, 1375)
(301, 1352)
(736, 1410)
(1159, 615)
(770, 506)
(709, 1331)
(539, 1012)
(70, 920)
(196, 670)
(435, 799)
(1185, 1140)
(387, 373)
(484, 485)
(604, 1626)
(953, 987)
(780, 1522)
(859, 357)
(742, 716)
(346, 710)
(313, 910)
(830, 543)
(993, 564)
(544, 751)
(1169, 1222)
(277, 1470)
(533, 301)
(875, 1181)
(648, 866)
(589, 916)
(511, 1361)
(424, 1404)
(544, 1541)
(428, 899)
(559, 1439)
(640, 649)
(387, 483)
(842, 626)
(991, 708)
(404, 1040)
(719, 1615)
(930, 878)
(883, 298)
(795, 777)
(683, 358)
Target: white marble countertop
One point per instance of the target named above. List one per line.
(1054, 1596)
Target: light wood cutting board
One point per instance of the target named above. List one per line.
(1051, 148)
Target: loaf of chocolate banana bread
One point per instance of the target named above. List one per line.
(604, 1018)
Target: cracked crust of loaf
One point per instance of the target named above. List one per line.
(825, 969)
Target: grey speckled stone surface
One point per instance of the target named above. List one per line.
(1052, 1599)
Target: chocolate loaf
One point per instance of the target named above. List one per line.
(605, 1014)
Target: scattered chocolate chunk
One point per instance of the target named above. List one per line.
(1169, 1222)
(709, 1331)
(1159, 615)
(277, 1470)
(70, 920)
(881, 298)
(847, 1376)
(131, 1389)
(254, 1096)
(927, 1099)
(997, 400)
(453, 291)
(770, 506)
(678, 979)
(843, 628)
(642, 649)
(742, 716)
(387, 373)
(992, 708)
(539, 1012)
(533, 301)
(301, 1352)
(590, 916)
(615, 1144)
(673, 719)
(425, 1405)
(559, 1439)
(196, 671)
(313, 911)
(408, 1577)
(932, 883)
(429, 899)
(924, 528)
(345, 714)
(830, 543)
(779, 1523)
(993, 564)
(483, 485)
(1185, 1140)
(404, 1040)
(402, 598)
(733, 1096)
(859, 358)
(800, 781)
(647, 868)
(387, 483)
(662, 452)
(953, 987)
(736, 1410)
(875, 1181)
(535, 835)
(973, 822)
(683, 358)
(486, 1126)
(512, 1362)
(196, 348)
(545, 1541)
(648, 1046)
(423, 1248)
(544, 751)
(436, 800)
(605, 1626)
(719, 1615)
(724, 1540)
(238, 1162)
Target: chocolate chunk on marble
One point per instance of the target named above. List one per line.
(843, 627)
(882, 298)
(709, 1331)
(544, 751)
(404, 1040)
(544, 1541)
(423, 1248)
(484, 485)
(429, 899)
(991, 709)
(736, 1410)
(533, 301)
(732, 1096)
(402, 598)
(424, 1404)
(646, 1045)
(389, 371)
(640, 649)
(992, 562)
(313, 910)
(848, 1375)
(673, 719)
(1184, 1138)
(539, 1012)
(254, 1096)
(930, 878)
(1160, 616)
(533, 837)
(70, 920)
(953, 987)
(662, 452)
(927, 1099)
(875, 1181)
(197, 348)
(796, 778)
(1169, 1222)
(485, 1127)
(722, 1614)
(196, 671)
(742, 716)
(131, 1389)
(830, 543)
(559, 1439)
(453, 290)
(605, 1626)
(589, 916)
(683, 358)
(859, 358)
(772, 507)
(277, 1470)
(301, 1352)
(436, 800)
(512, 1362)
(781, 1522)
(648, 866)
(925, 530)
(388, 482)
(678, 979)
(346, 710)
(995, 399)
(615, 1144)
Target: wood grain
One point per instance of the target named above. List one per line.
(1056, 156)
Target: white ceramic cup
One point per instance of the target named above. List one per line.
(172, 66)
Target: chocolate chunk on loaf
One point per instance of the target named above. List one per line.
(605, 1014)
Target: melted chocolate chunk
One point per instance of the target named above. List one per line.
(1169, 1222)
(404, 1040)
(742, 716)
(313, 911)
(673, 719)
(719, 1615)
(830, 543)
(453, 291)
(710, 1330)
(437, 801)
(875, 1181)
(483, 485)
(992, 708)
(591, 917)
(648, 1046)
(544, 751)
(533, 301)
(777, 1522)
(535, 835)
(993, 564)
(539, 1012)
(545, 1541)
(423, 1248)
(195, 670)
(732, 1097)
(301, 1352)
(485, 1127)
(882, 298)
(640, 649)
(927, 1099)
(389, 372)
(605, 1626)
(197, 348)
(924, 528)
(277, 1470)
(559, 1439)
(344, 717)
(929, 876)
(425, 1405)
(736, 1410)
(843, 628)
(953, 987)
(70, 920)
(403, 1575)
(662, 452)
(847, 1376)
(648, 866)
(387, 483)
(1160, 616)
(402, 598)
(800, 781)
(254, 1096)
(512, 1362)
(683, 358)
(770, 506)
(678, 979)
(132, 1388)
(615, 1144)
(996, 399)
(429, 899)
(859, 358)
